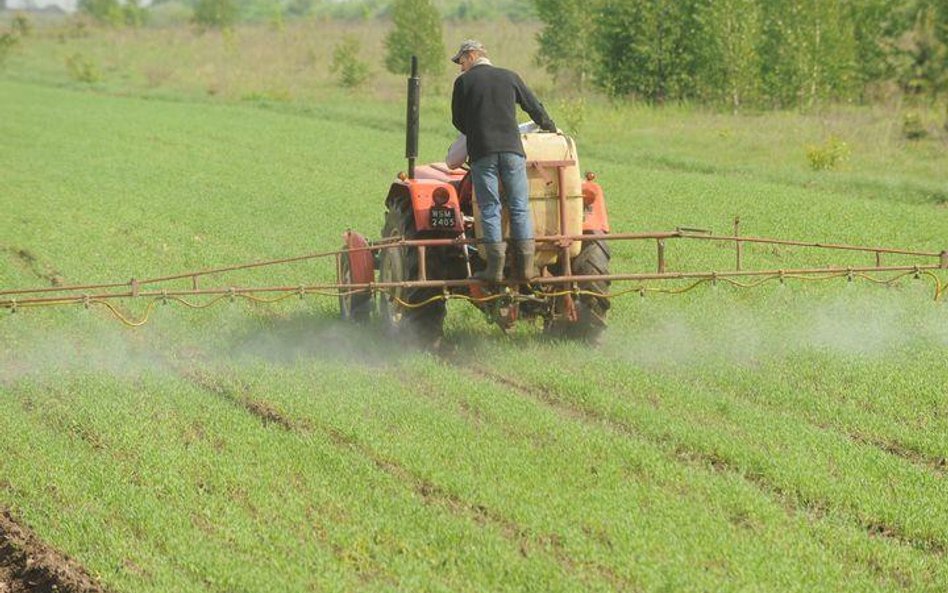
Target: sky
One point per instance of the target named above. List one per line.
(67, 5)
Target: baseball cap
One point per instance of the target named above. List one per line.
(469, 45)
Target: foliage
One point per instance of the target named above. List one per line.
(417, 31)
(82, 69)
(828, 156)
(913, 128)
(8, 39)
(728, 52)
(572, 114)
(351, 72)
(922, 51)
(215, 14)
(21, 24)
(808, 52)
(648, 49)
(567, 48)
(760, 52)
(114, 12)
(104, 11)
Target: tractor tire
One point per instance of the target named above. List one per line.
(591, 309)
(355, 307)
(401, 309)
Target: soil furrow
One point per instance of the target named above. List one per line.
(260, 409)
(27, 565)
(794, 503)
(936, 465)
(430, 493)
(527, 543)
(25, 259)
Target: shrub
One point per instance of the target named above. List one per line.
(134, 14)
(912, 127)
(351, 72)
(214, 14)
(573, 115)
(829, 155)
(82, 69)
(7, 41)
(104, 11)
(21, 25)
(417, 32)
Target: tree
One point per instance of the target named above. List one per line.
(215, 14)
(729, 65)
(417, 32)
(104, 11)
(567, 47)
(808, 51)
(346, 64)
(648, 48)
(921, 53)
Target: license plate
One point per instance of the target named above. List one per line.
(442, 218)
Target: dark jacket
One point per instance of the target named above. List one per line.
(483, 107)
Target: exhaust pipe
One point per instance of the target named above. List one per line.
(414, 101)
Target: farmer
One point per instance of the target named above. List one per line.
(483, 108)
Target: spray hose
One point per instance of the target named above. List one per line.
(232, 294)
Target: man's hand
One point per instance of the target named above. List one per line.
(548, 126)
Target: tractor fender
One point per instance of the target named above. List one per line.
(361, 263)
(421, 193)
(595, 218)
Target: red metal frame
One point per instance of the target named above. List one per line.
(420, 192)
(361, 265)
(595, 219)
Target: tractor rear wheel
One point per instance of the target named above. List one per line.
(591, 309)
(415, 313)
(353, 306)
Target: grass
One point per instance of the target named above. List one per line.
(786, 438)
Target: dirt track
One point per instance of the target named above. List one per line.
(27, 565)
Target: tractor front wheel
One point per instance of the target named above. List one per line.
(416, 313)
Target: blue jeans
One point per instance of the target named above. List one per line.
(510, 169)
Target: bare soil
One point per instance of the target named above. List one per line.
(27, 565)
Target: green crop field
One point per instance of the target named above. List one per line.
(789, 437)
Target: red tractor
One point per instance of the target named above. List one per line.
(432, 225)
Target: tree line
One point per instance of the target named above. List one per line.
(763, 53)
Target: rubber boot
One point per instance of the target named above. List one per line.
(525, 251)
(496, 256)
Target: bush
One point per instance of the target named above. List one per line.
(829, 155)
(7, 41)
(346, 65)
(573, 115)
(214, 14)
(912, 127)
(417, 32)
(21, 25)
(82, 69)
(104, 11)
